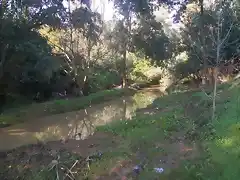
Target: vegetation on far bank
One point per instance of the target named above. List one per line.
(37, 110)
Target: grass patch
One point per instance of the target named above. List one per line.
(38, 110)
(189, 116)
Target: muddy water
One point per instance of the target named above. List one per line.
(75, 125)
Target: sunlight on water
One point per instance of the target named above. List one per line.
(74, 125)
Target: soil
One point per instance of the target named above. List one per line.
(99, 142)
(20, 162)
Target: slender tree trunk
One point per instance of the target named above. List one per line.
(124, 114)
(87, 69)
(215, 74)
(215, 69)
(124, 74)
(71, 46)
(78, 86)
(3, 46)
(2, 60)
(126, 46)
(202, 37)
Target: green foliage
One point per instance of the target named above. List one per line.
(34, 13)
(27, 60)
(103, 80)
(29, 67)
(140, 67)
(140, 8)
(148, 34)
(186, 66)
(89, 22)
(201, 42)
(86, 46)
(151, 38)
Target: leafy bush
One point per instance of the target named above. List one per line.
(140, 67)
(103, 79)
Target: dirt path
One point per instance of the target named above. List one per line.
(31, 157)
(18, 162)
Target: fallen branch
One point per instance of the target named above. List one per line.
(70, 170)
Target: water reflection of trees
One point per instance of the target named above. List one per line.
(80, 124)
(121, 109)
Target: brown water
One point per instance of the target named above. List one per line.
(74, 125)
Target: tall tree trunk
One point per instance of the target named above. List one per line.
(87, 69)
(78, 86)
(2, 60)
(126, 46)
(71, 36)
(215, 74)
(124, 74)
(202, 37)
(3, 46)
(124, 114)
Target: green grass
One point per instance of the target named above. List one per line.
(183, 114)
(145, 132)
(38, 110)
(189, 115)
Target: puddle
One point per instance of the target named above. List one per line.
(75, 125)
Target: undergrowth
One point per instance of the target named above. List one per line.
(189, 117)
